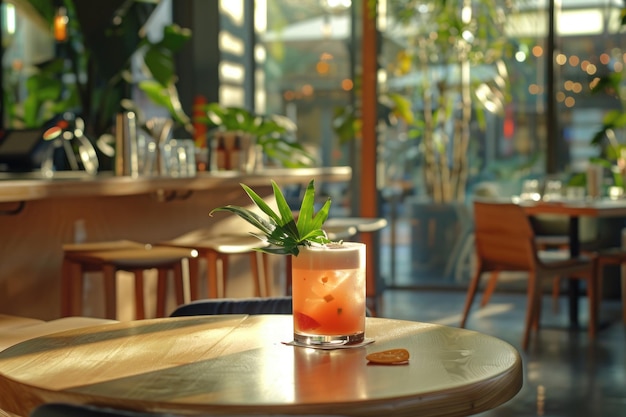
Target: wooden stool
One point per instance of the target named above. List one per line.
(110, 257)
(216, 250)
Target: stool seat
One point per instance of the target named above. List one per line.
(231, 244)
(362, 224)
(340, 232)
(216, 249)
(101, 246)
(110, 257)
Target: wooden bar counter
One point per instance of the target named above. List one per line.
(38, 215)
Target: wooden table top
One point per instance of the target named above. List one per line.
(237, 364)
(603, 207)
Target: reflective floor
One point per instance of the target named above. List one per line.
(566, 375)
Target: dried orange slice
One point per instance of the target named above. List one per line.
(389, 357)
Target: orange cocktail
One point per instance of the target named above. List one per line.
(328, 290)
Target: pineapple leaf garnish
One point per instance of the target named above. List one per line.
(280, 230)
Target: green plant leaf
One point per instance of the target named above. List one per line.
(249, 216)
(285, 212)
(281, 231)
(260, 203)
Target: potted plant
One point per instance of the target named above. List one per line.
(273, 134)
(328, 278)
(449, 64)
(452, 70)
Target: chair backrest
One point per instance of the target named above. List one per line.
(267, 305)
(83, 410)
(263, 305)
(504, 237)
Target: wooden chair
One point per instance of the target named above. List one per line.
(123, 255)
(505, 241)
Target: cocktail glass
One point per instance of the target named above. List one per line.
(328, 291)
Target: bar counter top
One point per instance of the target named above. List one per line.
(16, 187)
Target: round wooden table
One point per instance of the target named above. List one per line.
(237, 364)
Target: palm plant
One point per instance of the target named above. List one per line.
(271, 132)
(445, 46)
(284, 234)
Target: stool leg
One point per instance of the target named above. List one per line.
(66, 288)
(224, 278)
(254, 266)
(265, 267)
(140, 308)
(71, 289)
(193, 278)
(178, 283)
(211, 258)
(110, 291)
(161, 292)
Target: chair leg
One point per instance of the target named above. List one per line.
(532, 313)
(471, 293)
(491, 287)
(110, 291)
(592, 295)
(140, 307)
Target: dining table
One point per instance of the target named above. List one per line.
(247, 364)
(574, 209)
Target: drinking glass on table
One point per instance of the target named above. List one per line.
(553, 191)
(530, 191)
(328, 293)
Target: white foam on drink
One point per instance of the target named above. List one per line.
(344, 255)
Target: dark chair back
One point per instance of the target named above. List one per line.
(83, 410)
(265, 305)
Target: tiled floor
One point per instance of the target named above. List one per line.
(566, 375)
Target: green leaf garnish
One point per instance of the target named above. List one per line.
(281, 230)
